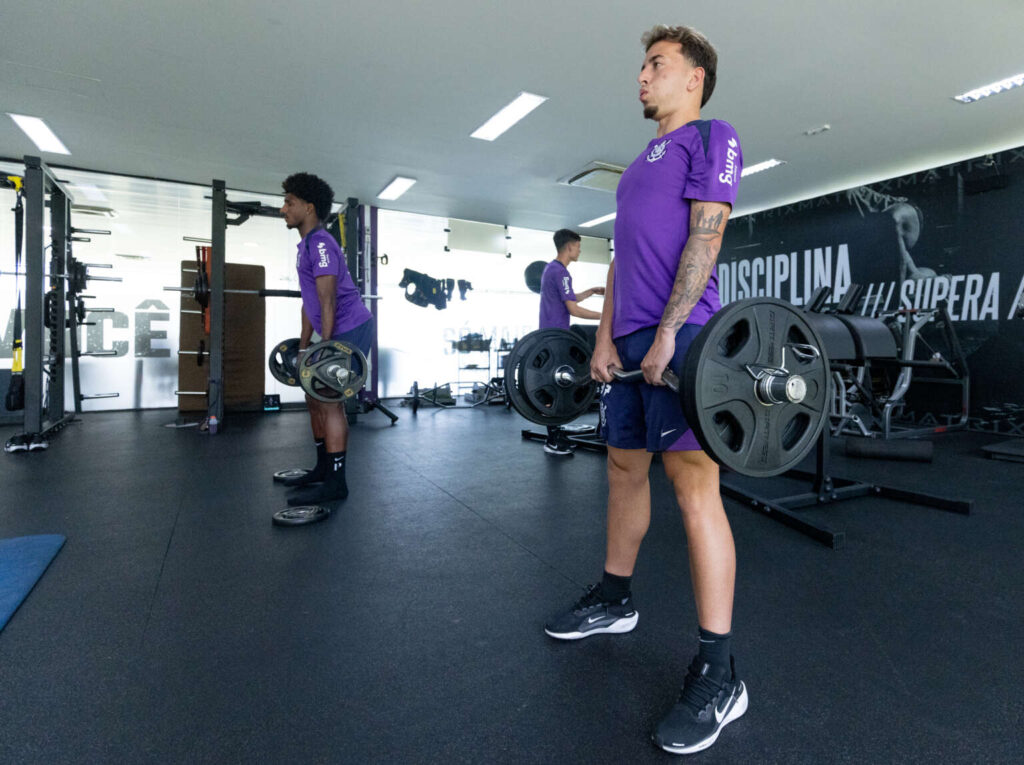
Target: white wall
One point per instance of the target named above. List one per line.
(146, 247)
(415, 342)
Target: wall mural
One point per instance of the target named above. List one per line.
(949, 235)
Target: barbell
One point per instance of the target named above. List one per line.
(754, 386)
(332, 371)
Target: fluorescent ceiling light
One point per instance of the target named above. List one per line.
(991, 89)
(396, 188)
(596, 221)
(768, 164)
(40, 133)
(508, 116)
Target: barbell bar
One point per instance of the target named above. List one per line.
(754, 385)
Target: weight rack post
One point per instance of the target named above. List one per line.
(35, 260)
(60, 246)
(218, 229)
(38, 181)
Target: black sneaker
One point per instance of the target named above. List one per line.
(38, 443)
(560, 447)
(331, 490)
(18, 443)
(593, 616)
(308, 479)
(711, 699)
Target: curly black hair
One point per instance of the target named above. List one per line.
(312, 189)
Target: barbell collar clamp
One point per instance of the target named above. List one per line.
(780, 389)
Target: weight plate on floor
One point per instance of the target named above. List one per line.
(548, 377)
(284, 475)
(300, 516)
(284, 361)
(718, 393)
(333, 371)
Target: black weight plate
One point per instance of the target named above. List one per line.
(547, 376)
(284, 475)
(333, 371)
(301, 516)
(533, 274)
(284, 361)
(514, 374)
(557, 376)
(718, 395)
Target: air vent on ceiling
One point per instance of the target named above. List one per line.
(600, 176)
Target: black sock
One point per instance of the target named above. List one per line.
(321, 457)
(615, 588)
(714, 649)
(336, 466)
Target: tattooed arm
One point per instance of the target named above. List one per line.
(707, 225)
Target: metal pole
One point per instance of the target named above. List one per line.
(218, 229)
(374, 350)
(76, 381)
(35, 262)
(60, 225)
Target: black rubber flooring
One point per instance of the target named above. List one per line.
(179, 626)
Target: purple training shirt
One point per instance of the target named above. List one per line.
(555, 289)
(319, 254)
(701, 161)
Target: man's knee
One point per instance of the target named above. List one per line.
(695, 479)
(628, 467)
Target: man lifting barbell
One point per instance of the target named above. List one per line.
(558, 302)
(672, 206)
(333, 308)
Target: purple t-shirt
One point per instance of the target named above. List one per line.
(701, 160)
(555, 289)
(319, 254)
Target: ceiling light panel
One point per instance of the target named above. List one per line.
(768, 164)
(396, 188)
(508, 116)
(991, 89)
(40, 133)
(598, 221)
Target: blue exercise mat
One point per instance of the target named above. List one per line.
(23, 560)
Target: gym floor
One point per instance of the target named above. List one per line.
(179, 625)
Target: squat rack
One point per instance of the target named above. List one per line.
(45, 354)
(355, 225)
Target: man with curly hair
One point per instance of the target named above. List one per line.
(333, 308)
(672, 203)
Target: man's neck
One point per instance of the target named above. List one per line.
(563, 258)
(676, 120)
(308, 225)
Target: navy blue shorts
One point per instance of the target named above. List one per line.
(361, 337)
(642, 416)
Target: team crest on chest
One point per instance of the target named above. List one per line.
(659, 150)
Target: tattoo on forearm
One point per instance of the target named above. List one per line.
(710, 224)
(695, 264)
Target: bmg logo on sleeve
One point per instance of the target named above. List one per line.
(730, 163)
(325, 258)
